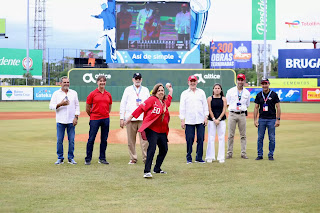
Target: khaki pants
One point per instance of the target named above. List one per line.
(233, 119)
(132, 130)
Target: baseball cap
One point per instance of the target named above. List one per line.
(192, 77)
(184, 5)
(264, 80)
(137, 75)
(242, 76)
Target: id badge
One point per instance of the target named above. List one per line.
(138, 101)
(265, 107)
(238, 106)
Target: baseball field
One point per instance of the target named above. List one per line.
(31, 182)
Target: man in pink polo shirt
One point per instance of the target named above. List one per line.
(98, 107)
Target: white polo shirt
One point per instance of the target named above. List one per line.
(193, 106)
(233, 98)
(65, 114)
(129, 99)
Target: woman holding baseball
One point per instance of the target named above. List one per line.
(155, 125)
(217, 105)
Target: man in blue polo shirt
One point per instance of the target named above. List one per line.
(268, 104)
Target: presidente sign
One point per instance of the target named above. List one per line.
(258, 20)
(178, 77)
(299, 63)
(230, 54)
(13, 63)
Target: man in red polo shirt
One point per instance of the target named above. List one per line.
(98, 107)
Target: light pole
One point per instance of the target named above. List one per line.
(27, 73)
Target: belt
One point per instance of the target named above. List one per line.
(238, 112)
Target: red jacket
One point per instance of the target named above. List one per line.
(153, 113)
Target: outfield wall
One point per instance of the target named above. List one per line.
(84, 80)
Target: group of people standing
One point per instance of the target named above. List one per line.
(148, 116)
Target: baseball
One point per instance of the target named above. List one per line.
(168, 85)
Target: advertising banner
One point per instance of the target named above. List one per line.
(293, 82)
(91, 54)
(258, 19)
(311, 94)
(299, 63)
(285, 94)
(13, 63)
(2, 27)
(17, 93)
(43, 93)
(230, 54)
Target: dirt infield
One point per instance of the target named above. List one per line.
(41, 115)
(119, 136)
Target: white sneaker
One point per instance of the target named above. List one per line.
(147, 175)
(221, 161)
(209, 161)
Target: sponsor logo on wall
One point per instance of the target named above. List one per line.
(17, 93)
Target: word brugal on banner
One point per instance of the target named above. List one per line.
(222, 60)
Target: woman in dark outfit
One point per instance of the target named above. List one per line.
(217, 105)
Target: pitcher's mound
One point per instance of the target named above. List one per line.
(176, 136)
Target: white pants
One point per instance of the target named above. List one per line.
(108, 33)
(221, 130)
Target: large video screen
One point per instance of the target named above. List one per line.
(153, 26)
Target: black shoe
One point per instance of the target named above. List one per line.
(271, 158)
(259, 158)
(103, 162)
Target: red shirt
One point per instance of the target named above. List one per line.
(153, 113)
(124, 20)
(99, 104)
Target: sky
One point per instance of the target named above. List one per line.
(70, 24)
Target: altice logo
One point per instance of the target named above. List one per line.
(9, 93)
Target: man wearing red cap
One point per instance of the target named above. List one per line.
(238, 100)
(268, 104)
(193, 114)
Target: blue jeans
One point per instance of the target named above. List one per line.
(60, 136)
(94, 127)
(263, 124)
(190, 133)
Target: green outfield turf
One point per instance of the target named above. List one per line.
(42, 106)
(30, 182)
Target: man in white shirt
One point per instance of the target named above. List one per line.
(193, 114)
(66, 104)
(182, 24)
(132, 97)
(238, 101)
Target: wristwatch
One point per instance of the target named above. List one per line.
(278, 119)
(219, 119)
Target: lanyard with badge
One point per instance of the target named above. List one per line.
(239, 97)
(265, 105)
(138, 100)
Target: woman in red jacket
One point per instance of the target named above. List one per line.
(155, 125)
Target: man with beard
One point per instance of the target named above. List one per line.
(132, 97)
(66, 104)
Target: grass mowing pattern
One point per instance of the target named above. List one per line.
(30, 182)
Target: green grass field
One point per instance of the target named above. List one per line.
(30, 182)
